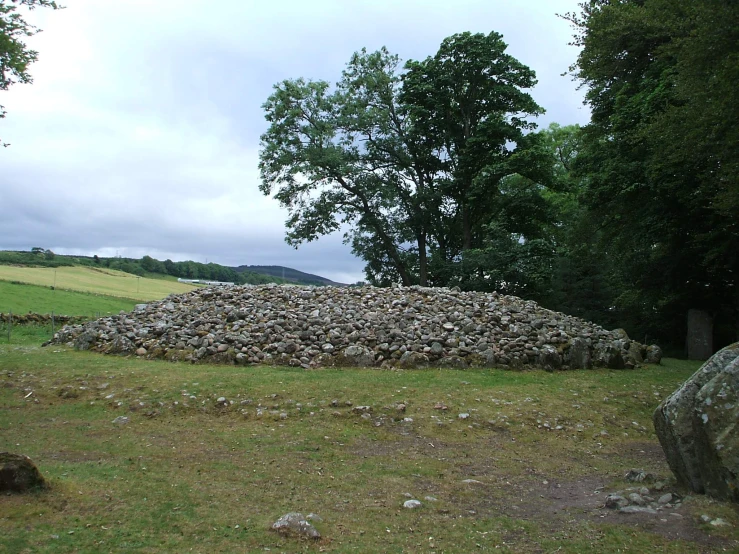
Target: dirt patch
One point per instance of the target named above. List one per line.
(477, 487)
(554, 503)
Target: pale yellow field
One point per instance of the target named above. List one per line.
(96, 280)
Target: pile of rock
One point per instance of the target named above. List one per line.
(642, 500)
(365, 326)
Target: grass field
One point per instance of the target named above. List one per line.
(19, 298)
(101, 281)
(188, 473)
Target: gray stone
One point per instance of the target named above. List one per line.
(411, 504)
(85, 340)
(654, 354)
(579, 354)
(696, 426)
(639, 476)
(616, 501)
(637, 510)
(120, 345)
(608, 355)
(549, 358)
(454, 362)
(295, 524)
(410, 360)
(121, 420)
(360, 356)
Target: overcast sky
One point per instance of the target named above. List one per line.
(140, 133)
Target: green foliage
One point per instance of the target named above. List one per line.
(412, 160)
(15, 56)
(659, 158)
(37, 257)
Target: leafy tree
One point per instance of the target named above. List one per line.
(342, 157)
(15, 56)
(469, 104)
(659, 157)
(384, 154)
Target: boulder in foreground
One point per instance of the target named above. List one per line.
(19, 474)
(697, 427)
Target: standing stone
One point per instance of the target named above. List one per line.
(700, 335)
(579, 354)
(697, 427)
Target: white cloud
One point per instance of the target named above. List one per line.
(140, 134)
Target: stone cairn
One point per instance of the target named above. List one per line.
(365, 326)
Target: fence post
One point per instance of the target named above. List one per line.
(10, 324)
(52, 324)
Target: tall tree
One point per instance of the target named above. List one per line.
(15, 56)
(469, 104)
(383, 153)
(340, 157)
(660, 154)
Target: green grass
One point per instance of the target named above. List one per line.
(22, 298)
(186, 474)
(95, 280)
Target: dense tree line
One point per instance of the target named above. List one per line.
(439, 176)
(144, 267)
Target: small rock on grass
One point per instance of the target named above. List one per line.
(121, 420)
(639, 476)
(637, 510)
(411, 504)
(295, 524)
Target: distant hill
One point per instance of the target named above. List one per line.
(289, 274)
(150, 267)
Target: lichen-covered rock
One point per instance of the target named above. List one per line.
(608, 355)
(295, 524)
(697, 427)
(18, 473)
(360, 356)
(358, 326)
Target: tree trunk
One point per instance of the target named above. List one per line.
(466, 227)
(699, 341)
(422, 260)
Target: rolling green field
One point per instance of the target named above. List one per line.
(526, 471)
(19, 298)
(103, 281)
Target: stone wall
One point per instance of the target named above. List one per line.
(37, 319)
(365, 326)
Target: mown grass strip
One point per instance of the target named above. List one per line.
(102, 281)
(23, 298)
